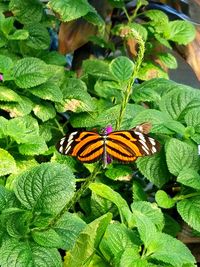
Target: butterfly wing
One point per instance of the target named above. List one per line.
(87, 146)
(127, 146)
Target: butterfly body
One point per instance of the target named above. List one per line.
(124, 146)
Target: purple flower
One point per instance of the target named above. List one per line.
(1, 77)
(108, 129)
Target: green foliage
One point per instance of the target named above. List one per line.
(117, 216)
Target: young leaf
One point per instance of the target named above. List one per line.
(48, 182)
(19, 35)
(70, 9)
(8, 164)
(181, 32)
(163, 200)
(121, 68)
(29, 72)
(188, 208)
(26, 10)
(87, 242)
(150, 210)
(170, 250)
(25, 253)
(154, 168)
(131, 257)
(180, 155)
(189, 177)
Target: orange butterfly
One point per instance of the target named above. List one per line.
(124, 146)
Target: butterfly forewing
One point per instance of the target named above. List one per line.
(86, 146)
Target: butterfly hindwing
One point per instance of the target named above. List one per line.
(87, 146)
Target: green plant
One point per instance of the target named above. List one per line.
(120, 216)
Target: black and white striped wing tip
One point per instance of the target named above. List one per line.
(66, 144)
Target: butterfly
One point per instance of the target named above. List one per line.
(124, 146)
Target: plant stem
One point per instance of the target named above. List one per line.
(74, 199)
(181, 197)
(59, 127)
(138, 63)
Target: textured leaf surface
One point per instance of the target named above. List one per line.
(38, 36)
(33, 147)
(44, 111)
(189, 177)
(7, 161)
(24, 129)
(182, 32)
(87, 242)
(163, 200)
(170, 250)
(180, 155)
(188, 208)
(150, 210)
(29, 72)
(6, 63)
(26, 10)
(45, 188)
(121, 68)
(154, 168)
(70, 9)
(23, 253)
(48, 91)
(8, 95)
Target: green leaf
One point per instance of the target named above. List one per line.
(140, 29)
(116, 240)
(121, 68)
(6, 25)
(8, 95)
(172, 227)
(48, 91)
(167, 249)
(106, 192)
(26, 10)
(131, 257)
(149, 71)
(75, 97)
(44, 111)
(154, 168)
(38, 36)
(16, 221)
(24, 253)
(180, 155)
(19, 35)
(5, 197)
(138, 191)
(146, 227)
(108, 90)
(94, 18)
(119, 172)
(176, 101)
(29, 72)
(52, 186)
(8, 164)
(147, 94)
(188, 208)
(70, 9)
(163, 200)
(158, 18)
(33, 147)
(97, 68)
(109, 116)
(189, 177)
(54, 58)
(23, 129)
(150, 210)
(192, 117)
(168, 60)
(6, 63)
(63, 234)
(181, 32)
(87, 242)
